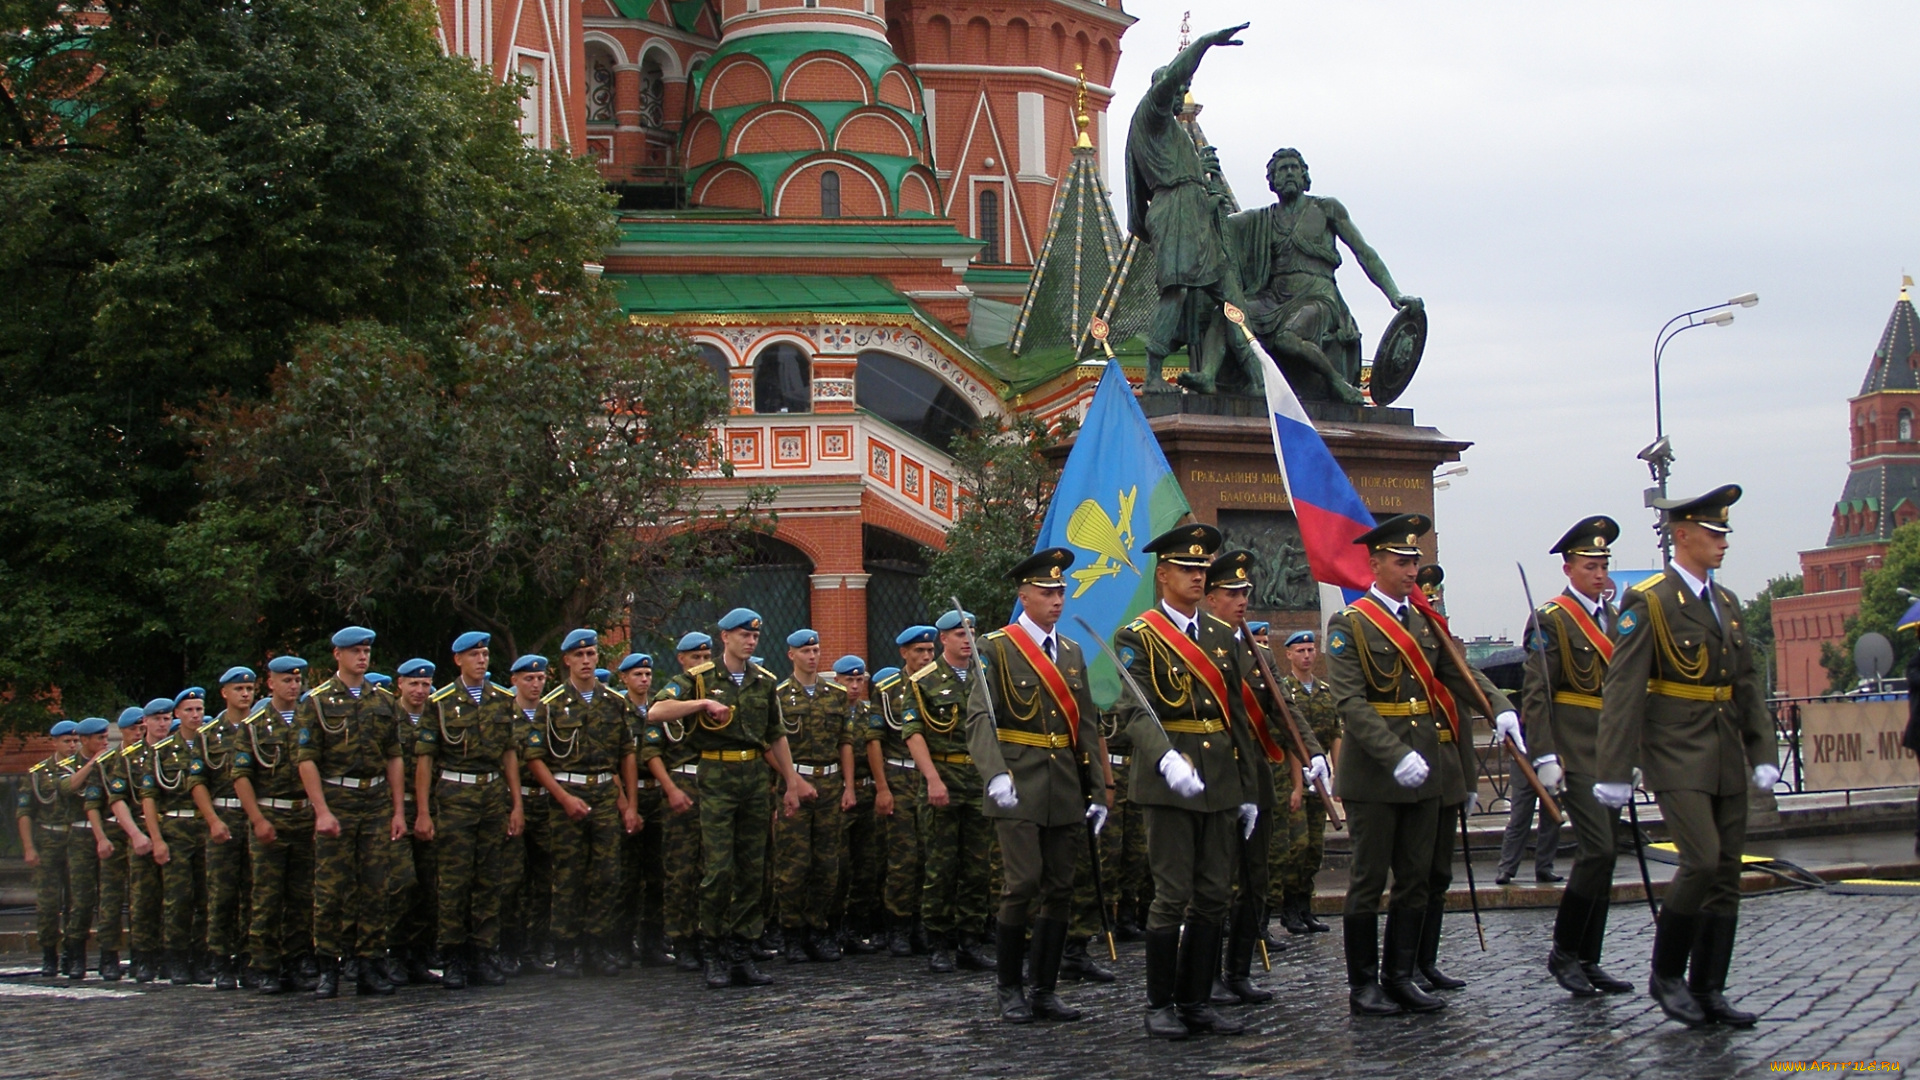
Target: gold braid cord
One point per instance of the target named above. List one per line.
(1158, 654)
(1579, 679)
(253, 736)
(1022, 709)
(927, 717)
(704, 717)
(1692, 669)
(1386, 682)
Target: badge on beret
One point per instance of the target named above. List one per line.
(1337, 642)
(1627, 622)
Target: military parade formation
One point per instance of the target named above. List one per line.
(970, 804)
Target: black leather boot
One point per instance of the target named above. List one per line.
(603, 958)
(1429, 951)
(453, 975)
(306, 971)
(228, 977)
(373, 977)
(686, 953)
(744, 972)
(418, 970)
(1590, 944)
(855, 937)
(971, 953)
(940, 954)
(795, 939)
(110, 965)
(1241, 941)
(898, 941)
(394, 970)
(1080, 963)
(1365, 995)
(1009, 954)
(719, 965)
(1396, 977)
(179, 966)
(1163, 959)
(653, 947)
(1304, 907)
(1672, 942)
(1125, 926)
(77, 962)
(483, 967)
(141, 968)
(203, 965)
(49, 961)
(1290, 915)
(328, 983)
(1049, 945)
(1563, 960)
(277, 980)
(921, 940)
(1712, 955)
(568, 960)
(824, 946)
(1199, 967)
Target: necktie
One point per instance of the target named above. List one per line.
(1406, 616)
(1193, 631)
(1047, 647)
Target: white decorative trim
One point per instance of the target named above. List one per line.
(828, 582)
(727, 35)
(832, 389)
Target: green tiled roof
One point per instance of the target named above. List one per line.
(977, 276)
(693, 226)
(779, 51)
(719, 294)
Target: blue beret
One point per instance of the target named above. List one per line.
(915, 635)
(92, 725)
(602, 674)
(740, 619)
(800, 639)
(280, 665)
(191, 693)
(415, 668)
(529, 662)
(130, 716)
(62, 727)
(579, 639)
(159, 706)
(756, 659)
(238, 673)
(885, 673)
(950, 620)
(849, 665)
(1299, 636)
(692, 641)
(472, 639)
(349, 636)
(1257, 627)
(375, 678)
(634, 660)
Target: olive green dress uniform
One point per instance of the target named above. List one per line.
(144, 896)
(174, 769)
(280, 929)
(229, 878)
(956, 839)
(51, 813)
(900, 833)
(683, 861)
(585, 741)
(467, 742)
(1302, 846)
(734, 805)
(809, 848)
(350, 739)
(1129, 883)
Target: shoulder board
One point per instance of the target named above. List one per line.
(508, 690)
(763, 671)
(888, 683)
(1137, 625)
(259, 711)
(700, 669)
(1349, 611)
(383, 690)
(828, 682)
(324, 686)
(555, 694)
(924, 672)
(69, 761)
(164, 743)
(446, 691)
(994, 634)
(786, 682)
(37, 767)
(1643, 586)
(1212, 618)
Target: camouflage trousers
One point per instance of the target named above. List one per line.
(809, 852)
(734, 808)
(413, 891)
(229, 886)
(470, 851)
(111, 912)
(900, 838)
(957, 883)
(683, 862)
(863, 870)
(586, 863)
(1086, 919)
(350, 874)
(280, 925)
(527, 886)
(145, 900)
(1299, 848)
(183, 885)
(50, 884)
(638, 905)
(83, 886)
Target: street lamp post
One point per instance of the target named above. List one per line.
(1659, 454)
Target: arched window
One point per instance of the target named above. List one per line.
(988, 220)
(599, 84)
(781, 382)
(716, 360)
(829, 193)
(912, 398)
(653, 92)
(1906, 425)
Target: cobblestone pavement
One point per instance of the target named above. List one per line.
(1834, 977)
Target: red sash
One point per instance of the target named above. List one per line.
(1578, 613)
(1382, 620)
(1050, 677)
(1259, 717)
(1189, 651)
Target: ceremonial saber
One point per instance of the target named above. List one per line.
(1126, 677)
(1293, 727)
(1547, 805)
(1546, 672)
(1473, 893)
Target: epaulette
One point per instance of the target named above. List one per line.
(888, 683)
(163, 743)
(700, 669)
(1137, 625)
(553, 694)
(325, 685)
(1211, 617)
(507, 690)
(1643, 586)
(259, 710)
(990, 635)
(446, 691)
(763, 671)
(922, 673)
(827, 680)
(37, 766)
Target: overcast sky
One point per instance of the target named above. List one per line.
(1557, 181)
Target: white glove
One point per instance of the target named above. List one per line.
(1552, 776)
(1249, 817)
(1765, 776)
(1613, 796)
(1639, 779)
(1317, 769)
(1507, 726)
(1180, 775)
(1097, 813)
(1000, 790)
(1473, 804)
(1412, 770)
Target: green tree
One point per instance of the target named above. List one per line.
(189, 187)
(1881, 606)
(1757, 613)
(1009, 477)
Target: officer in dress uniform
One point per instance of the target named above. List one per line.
(1406, 765)
(1033, 734)
(1684, 691)
(1570, 642)
(44, 817)
(1194, 771)
(809, 848)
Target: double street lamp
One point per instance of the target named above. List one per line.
(1659, 454)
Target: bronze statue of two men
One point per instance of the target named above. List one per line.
(1276, 263)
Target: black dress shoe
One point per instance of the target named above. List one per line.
(1567, 971)
(1547, 877)
(1165, 1023)
(1676, 1001)
(1013, 1005)
(1246, 992)
(1371, 1000)
(1714, 1004)
(1604, 982)
(1503, 878)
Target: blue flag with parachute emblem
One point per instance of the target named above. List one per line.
(1116, 492)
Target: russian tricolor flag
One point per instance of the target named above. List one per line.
(1329, 510)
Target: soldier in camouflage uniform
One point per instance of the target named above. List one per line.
(728, 709)
(124, 835)
(87, 845)
(412, 891)
(145, 898)
(581, 750)
(266, 780)
(229, 882)
(675, 767)
(43, 816)
(809, 848)
(956, 835)
(348, 750)
(899, 791)
(1302, 848)
(181, 819)
(863, 871)
(640, 930)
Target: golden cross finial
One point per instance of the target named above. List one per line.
(1080, 117)
(1186, 29)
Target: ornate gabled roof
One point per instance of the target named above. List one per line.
(1082, 248)
(1896, 360)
